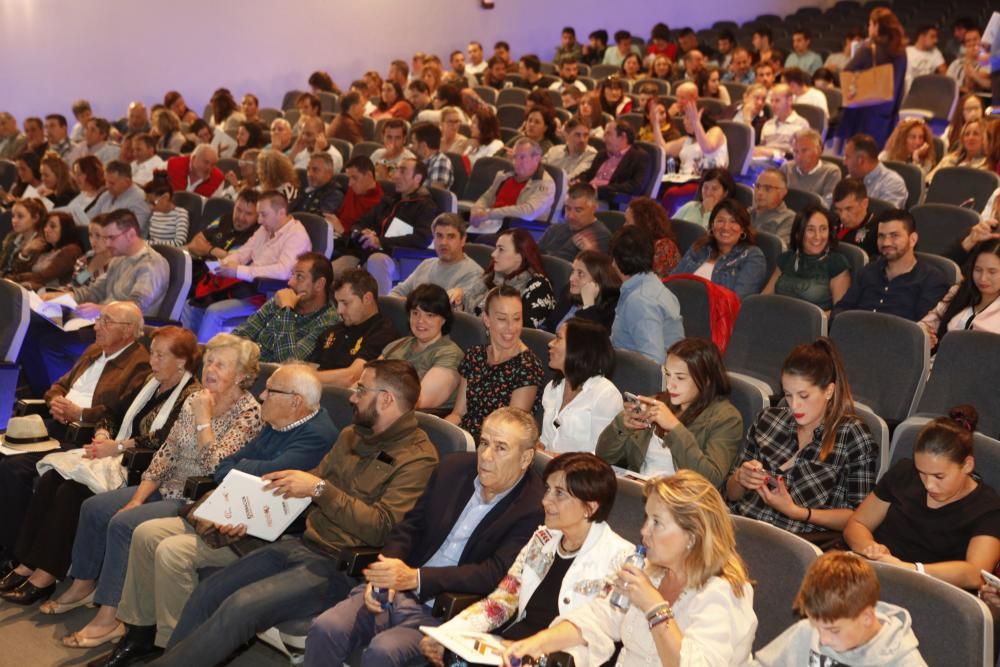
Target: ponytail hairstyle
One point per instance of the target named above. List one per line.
(159, 185)
(951, 436)
(820, 364)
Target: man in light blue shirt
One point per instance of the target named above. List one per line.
(861, 159)
(802, 56)
(615, 55)
(648, 315)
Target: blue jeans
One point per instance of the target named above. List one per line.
(207, 322)
(391, 637)
(103, 537)
(279, 582)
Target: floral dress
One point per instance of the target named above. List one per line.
(489, 387)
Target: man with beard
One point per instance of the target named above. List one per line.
(371, 477)
(568, 71)
(897, 282)
(342, 351)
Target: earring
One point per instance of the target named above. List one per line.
(743, 236)
(690, 543)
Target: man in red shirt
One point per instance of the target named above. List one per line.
(196, 172)
(363, 192)
(526, 193)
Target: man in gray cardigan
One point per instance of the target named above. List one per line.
(527, 193)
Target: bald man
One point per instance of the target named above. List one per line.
(777, 137)
(685, 92)
(196, 172)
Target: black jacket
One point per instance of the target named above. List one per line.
(493, 545)
(602, 312)
(629, 178)
(324, 199)
(416, 209)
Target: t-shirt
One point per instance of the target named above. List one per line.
(807, 277)
(920, 62)
(915, 532)
(508, 193)
(340, 345)
(543, 606)
(442, 353)
(489, 387)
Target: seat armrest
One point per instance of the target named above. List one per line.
(31, 406)
(196, 487)
(560, 659)
(353, 560)
(269, 286)
(448, 605)
(136, 461)
(80, 433)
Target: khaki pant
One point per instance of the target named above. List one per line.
(163, 564)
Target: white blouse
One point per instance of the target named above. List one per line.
(659, 459)
(488, 150)
(576, 427)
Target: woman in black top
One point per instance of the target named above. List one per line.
(591, 294)
(933, 509)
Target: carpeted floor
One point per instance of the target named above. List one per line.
(31, 639)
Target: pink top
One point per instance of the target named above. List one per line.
(266, 256)
(988, 320)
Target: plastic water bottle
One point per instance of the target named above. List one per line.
(381, 595)
(671, 165)
(619, 597)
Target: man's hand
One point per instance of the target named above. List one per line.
(229, 530)
(286, 298)
(291, 483)
(64, 410)
(199, 246)
(88, 311)
(338, 226)
(391, 573)
(478, 214)
(373, 605)
(369, 240)
(585, 240)
(456, 297)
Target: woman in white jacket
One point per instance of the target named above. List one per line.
(564, 565)
(693, 604)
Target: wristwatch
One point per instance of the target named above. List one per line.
(319, 488)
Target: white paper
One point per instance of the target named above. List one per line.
(52, 310)
(463, 645)
(212, 264)
(631, 474)
(398, 228)
(241, 499)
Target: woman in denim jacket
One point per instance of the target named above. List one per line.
(729, 255)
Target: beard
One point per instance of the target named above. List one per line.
(365, 417)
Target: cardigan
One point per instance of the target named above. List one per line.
(574, 427)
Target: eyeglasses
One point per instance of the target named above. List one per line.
(269, 390)
(110, 237)
(764, 187)
(360, 390)
(105, 320)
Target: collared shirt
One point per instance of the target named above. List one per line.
(910, 295)
(82, 391)
(142, 172)
(777, 221)
(573, 164)
(607, 168)
(266, 256)
(884, 183)
(63, 147)
(284, 334)
(810, 61)
(296, 424)
(841, 481)
(647, 317)
(439, 170)
(778, 134)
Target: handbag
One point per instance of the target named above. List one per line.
(868, 87)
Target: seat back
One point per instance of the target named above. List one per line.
(879, 430)
(215, 208)
(603, 71)
(736, 90)
(16, 315)
(343, 146)
(956, 185)
(693, 297)
(777, 560)
(946, 266)
(658, 162)
(368, 128)
(875, 347)
(320, 232)
(538, 342)
(966, 368)
(663, 86)
(636, 120)
(445, 200)
(8, 174)
(798, 200)
(711, 105)
(480, 253)
(513, 95)
(743, 194)
(394, 308)
(954, 628)
(838, 161)
(511, 115)
(179, 285)
(561, 180)
(814, 115)
(747, 397)
(194, 204)
(328, 102)
(739, 142)
(834, 101)
(914, 179)
(461, 179)
(259, 382)
(484, 171)
(467, 330)
(758, 348)
(447, 438)
(487, 93)
(941, 227)
(855, 255)
(687, 233)
(269, 114)
(337, 401)
(772, 248)
(558, 271)
(365, 148)
(931, 96)
(637, 373)
(290, 98)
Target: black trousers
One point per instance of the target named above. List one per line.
(49, 527)
(17, 480)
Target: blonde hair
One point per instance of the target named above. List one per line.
(699, 510)
(895, 147)
(247, 355)
(274, 169)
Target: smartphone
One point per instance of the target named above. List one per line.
(991, 579)
(632, 398)
(772, 483)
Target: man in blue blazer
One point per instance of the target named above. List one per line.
(462, 536)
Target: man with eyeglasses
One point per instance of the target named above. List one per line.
(769, 213)
(527, 192)
(364, 486)
(464, 533)
(166, 554)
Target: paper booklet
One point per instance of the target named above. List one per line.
(631, 474)
(53, 311)
(241, 499)
(477, 648)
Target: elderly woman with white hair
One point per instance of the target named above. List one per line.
(213, 423)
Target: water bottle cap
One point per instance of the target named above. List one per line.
(641, 549)
(515, 661)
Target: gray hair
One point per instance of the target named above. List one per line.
(201, 149)
(525, 423)
(247, 355)
(305, 381)
(323, 157)
(811, 135)
(536, 148)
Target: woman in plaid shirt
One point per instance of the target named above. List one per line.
(807, 464)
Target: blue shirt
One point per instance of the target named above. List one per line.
(647, 317)
(910, 295)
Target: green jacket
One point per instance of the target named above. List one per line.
(708, 445)
(372, 481)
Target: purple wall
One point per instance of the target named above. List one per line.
(113, 51)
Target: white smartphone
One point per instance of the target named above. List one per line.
(991, 579)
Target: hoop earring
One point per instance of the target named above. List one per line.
(743, 236)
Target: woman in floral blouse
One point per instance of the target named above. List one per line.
(213, 423)
(564, 565)
(502, 372)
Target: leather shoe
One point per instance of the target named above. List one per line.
(136, 646)
(11, 581)
(7, 567)
(28, 594)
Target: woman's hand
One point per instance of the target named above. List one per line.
(130, 505)
(751, 475)
(456, 296)
(533, 646)
(875, 551)
(640, 590)
(990, 595)
(659, 413)
(36, 244)
(778, 497)
(98, 449)
(202, 405)
(232, 178)
(633, 417)
(921, 153)
(432, 650)
(588, 293)
(692, 113)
